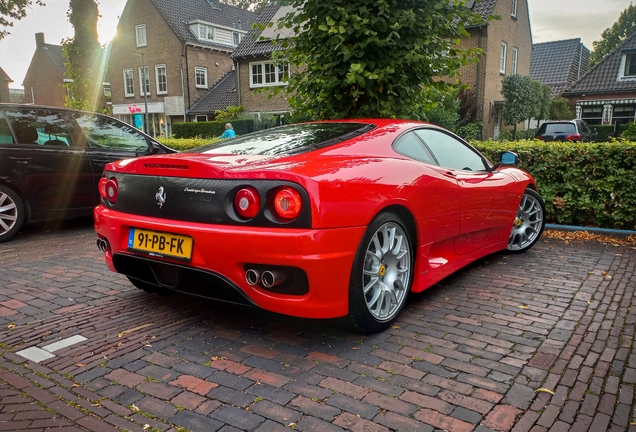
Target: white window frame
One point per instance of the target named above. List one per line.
(515, 58)
(128, 74)
(143, 88)
(200, 118)
(262, 73)
(502, 58)
(236, 38)
(159, 81)
(204, 70)
(515, 5)
(207, 31)
(141, 37)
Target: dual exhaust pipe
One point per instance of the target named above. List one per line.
(103, 245)
(267, 278)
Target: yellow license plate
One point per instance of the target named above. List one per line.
(160, 244)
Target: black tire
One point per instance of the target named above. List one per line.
(11, 213)
(529, 223)
(149, 288)
(391, 268)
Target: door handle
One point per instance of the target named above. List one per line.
(20, 160)
(450, 174)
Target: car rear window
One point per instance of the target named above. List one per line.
(557, 128)
(290, 139)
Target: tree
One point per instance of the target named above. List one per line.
(13, 10)
(446, 111)
(85, 65)
(541, 99)
(560, 109)
(615, 35)
(516, 90)
(252, 5)
(369, 58)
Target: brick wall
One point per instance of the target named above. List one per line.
(43, 81)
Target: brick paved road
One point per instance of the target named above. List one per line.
(468, 354)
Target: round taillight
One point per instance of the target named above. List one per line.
(288, 203)
(102, 187)
(112, 190)
(247, 202)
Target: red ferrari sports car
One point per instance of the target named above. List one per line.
(319, 220)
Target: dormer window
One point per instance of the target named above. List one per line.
(236, 38)
(206, 32)
(630, 65)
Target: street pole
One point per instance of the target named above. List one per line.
(143, 74)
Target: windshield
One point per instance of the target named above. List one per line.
(557, 128)
(290, 139)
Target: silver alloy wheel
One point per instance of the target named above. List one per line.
(528, 223)
(386, 271)
(8, 213)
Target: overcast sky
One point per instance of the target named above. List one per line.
(550, 20)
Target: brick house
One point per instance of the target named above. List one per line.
(186, 49)
(559, 64)
(45, 76)
(607, 93)
(507, 44)
(4, 86)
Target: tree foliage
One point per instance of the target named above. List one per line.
(615, 35)
(252, 5)
(84, 57)
(516, 90)
(14, 10)
(369, 58)
(541, 99)
(560, 109)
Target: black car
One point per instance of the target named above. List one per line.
(565, 130)
(51, 160)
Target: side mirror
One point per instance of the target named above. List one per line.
(508, 158)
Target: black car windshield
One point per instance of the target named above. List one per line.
(557, 128)
(290, 139)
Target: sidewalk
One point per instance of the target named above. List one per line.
(467, 355)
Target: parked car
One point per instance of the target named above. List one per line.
(318, 220)
(51, 160)
(565, 130)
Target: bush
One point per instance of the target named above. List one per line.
(528, 134)
(588, 184)
(471, 131)
(606, 131)
(181, 144)
(211, 129)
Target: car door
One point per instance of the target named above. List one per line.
(106, 140)
(489, 199)
(46, 164)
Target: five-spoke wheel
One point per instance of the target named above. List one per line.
(11, 213)
(382, 274)
(528, 224)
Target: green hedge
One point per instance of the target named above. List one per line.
(586, 184)
(211, 129)
(606, 131)
(181, 144)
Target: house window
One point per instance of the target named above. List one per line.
(593, 115)
(236, 37)
(623, 113)
(201, 77)
(206, 32)
(140, 31)
(144, 81)
(630, 65)
(161, 78)
(515, 3)
(515, 57)
(129, 83)
(268, 74)
(502, 61)
(201, 118)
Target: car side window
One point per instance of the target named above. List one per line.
(411, 146)
(450, 152)
(39, 127)
(6, 137)
(106, 133)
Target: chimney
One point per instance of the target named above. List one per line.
(39, 40)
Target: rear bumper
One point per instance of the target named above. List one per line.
(325, 256)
